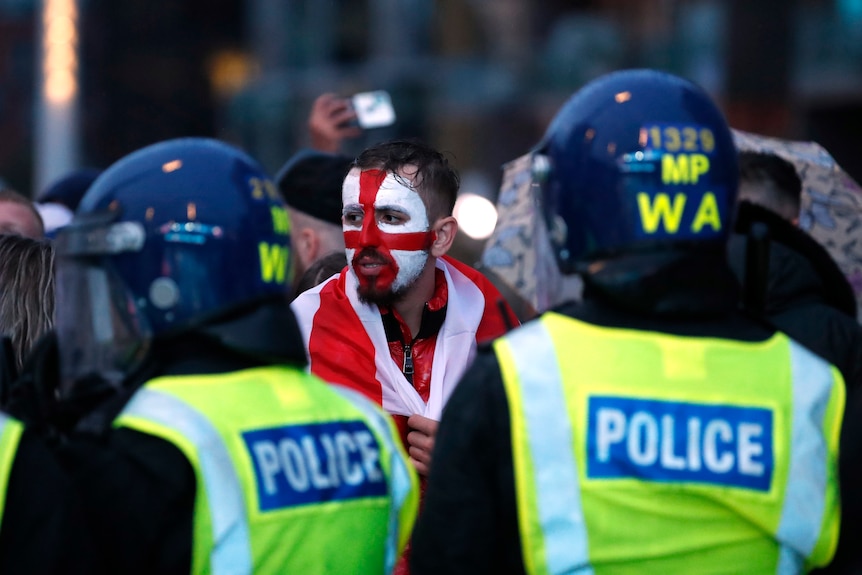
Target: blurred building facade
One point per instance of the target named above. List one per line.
(481, 79)
(478, 79)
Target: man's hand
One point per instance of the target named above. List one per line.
(420, 442)
(329, 123)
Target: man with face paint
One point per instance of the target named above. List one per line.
(401, 322)
(387, 235)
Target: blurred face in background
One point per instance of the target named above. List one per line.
(20, 219)
(386, 233)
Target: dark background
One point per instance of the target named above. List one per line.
(477, 79)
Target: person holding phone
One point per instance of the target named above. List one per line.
(331, 121)
(334, 119)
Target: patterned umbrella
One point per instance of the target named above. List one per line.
(831, 208)
(518, 251)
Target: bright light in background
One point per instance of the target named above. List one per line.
(59, 51)
(230, 71)
(476, 215)
(57, 136)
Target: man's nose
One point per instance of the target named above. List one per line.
(369, 235)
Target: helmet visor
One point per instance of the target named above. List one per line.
(100, 332)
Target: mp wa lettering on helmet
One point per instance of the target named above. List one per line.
(315, 463)
(668, 441)
(686, 203)
(274, 258)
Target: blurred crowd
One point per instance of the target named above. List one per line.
(655, 368)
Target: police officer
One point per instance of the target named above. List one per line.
(209, 448)
(652, 428)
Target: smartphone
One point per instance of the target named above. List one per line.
(373, 109)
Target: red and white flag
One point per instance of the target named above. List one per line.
(347, 344)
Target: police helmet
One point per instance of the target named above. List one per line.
(174, 235)
(637, 161)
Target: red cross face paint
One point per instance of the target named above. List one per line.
(386, 234)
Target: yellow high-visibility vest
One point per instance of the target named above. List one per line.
(643, 452)
(10, 436)
(293, 475)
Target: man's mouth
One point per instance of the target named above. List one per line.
(369, 264)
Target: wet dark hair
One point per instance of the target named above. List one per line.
(319, 270)
(770, 181)
(436, 181)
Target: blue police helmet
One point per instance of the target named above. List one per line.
(172, 236)
(636, 161)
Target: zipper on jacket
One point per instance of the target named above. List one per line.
(408, 362)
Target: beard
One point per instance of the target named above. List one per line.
(370, 294)
(397, 275)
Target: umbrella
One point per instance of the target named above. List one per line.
(831, 203)
(519, 252)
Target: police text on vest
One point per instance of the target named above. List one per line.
(314, 463)
(680, 442)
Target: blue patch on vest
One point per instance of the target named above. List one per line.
(315, 463)
(680, 442)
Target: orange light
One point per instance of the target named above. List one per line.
(172, 166)
(59, 51)
(60, 30)
(60, 86)
(623, 97)
(230, 71)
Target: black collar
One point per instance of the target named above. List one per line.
(395, 329)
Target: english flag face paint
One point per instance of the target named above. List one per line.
(386, 234)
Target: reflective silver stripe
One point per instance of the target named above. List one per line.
(399, 473)
(549, 434)
(804, 501)
(231, 552)
(789, 562)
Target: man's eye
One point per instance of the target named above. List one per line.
(392, 218)
(353, 219)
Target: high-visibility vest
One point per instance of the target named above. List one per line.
(293, 475)
(643, 452)
(10, 436)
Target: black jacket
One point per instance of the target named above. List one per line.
(469, 521)
(807, 296)
(139, 490)
(43, 529)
